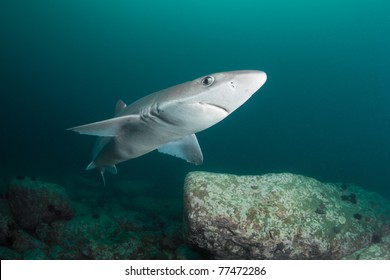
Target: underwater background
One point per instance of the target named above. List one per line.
(323, 112)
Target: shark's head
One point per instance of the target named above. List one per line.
(207, 100)
(228, 90)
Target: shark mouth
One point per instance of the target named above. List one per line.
(216, 106)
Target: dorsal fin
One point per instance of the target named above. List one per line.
(120, 105)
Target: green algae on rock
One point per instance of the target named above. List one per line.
(79, 231)
(9, 254)
(276, 216)
(376, 251)
(32, 202)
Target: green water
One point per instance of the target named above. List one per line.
(324, 111)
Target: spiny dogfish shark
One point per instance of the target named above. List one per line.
(167, 120)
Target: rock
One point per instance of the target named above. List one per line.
(9, 254)
(35, 254)
(7, 226)
(79, 231)
(377, 251)
(32, 202)
(280, 216)
(24, 241)
(154, 232)
(125, 249)
(65, 253)
(4, 210)
(18, 240)
(185, 253)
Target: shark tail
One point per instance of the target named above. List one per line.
(110, 168)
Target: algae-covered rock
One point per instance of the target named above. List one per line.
(24, 241)
(32, 202)
(79, 231)
(128, 247)
(378, 251)
(280, 216)
(35, 254)
(9, 254)
(58, 252)
(7, 226)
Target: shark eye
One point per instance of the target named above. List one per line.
(207, 81)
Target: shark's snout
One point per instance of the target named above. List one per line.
(251, 79)
(260, 77)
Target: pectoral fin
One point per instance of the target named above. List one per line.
(186, 148)
(108, 128)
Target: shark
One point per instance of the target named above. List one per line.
(168, 120)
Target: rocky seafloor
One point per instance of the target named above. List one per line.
(81, 219)
(222, 216)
